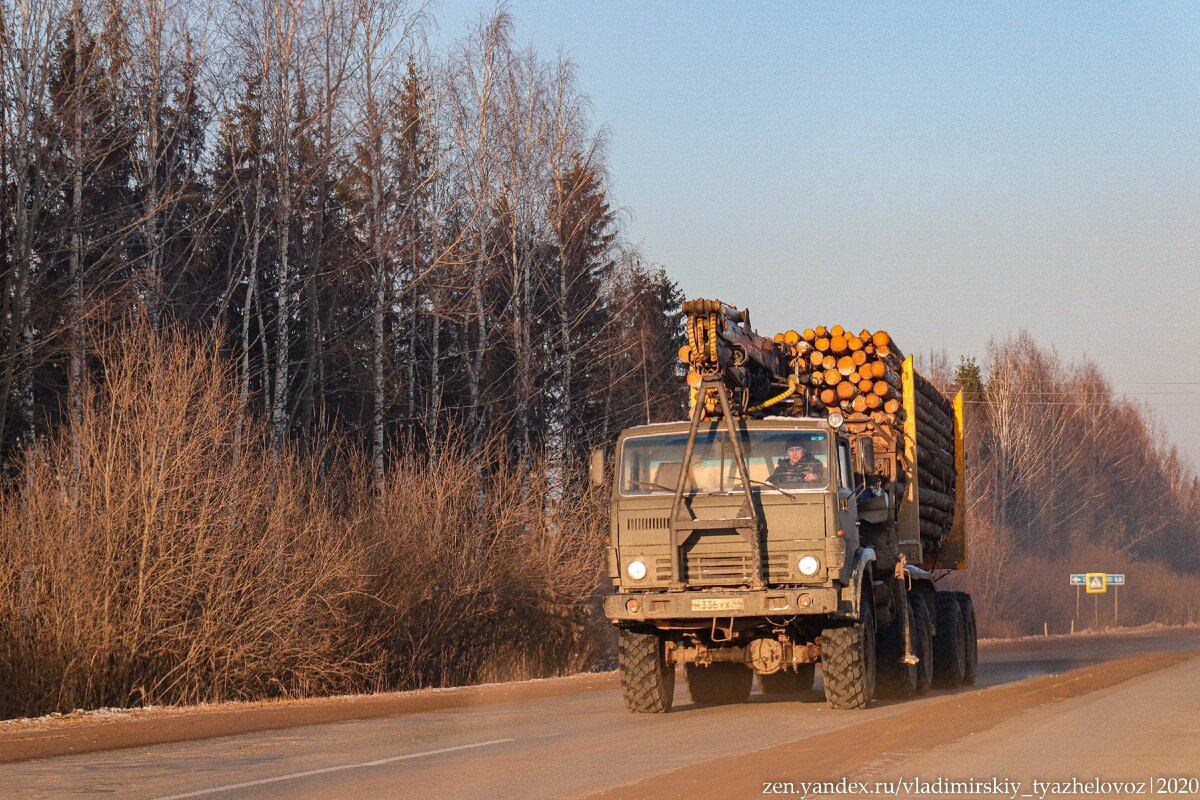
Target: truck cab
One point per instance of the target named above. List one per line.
(745, 564)
(810, 539)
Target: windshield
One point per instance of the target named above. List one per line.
(789, 460)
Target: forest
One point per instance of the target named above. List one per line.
(383, 240)
(307, 326)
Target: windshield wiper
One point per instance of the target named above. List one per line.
(653, 485)
(779, 489)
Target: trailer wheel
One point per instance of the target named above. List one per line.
(789, 681)
(923, 643)
(719, 684)
(971, 637)
(949, 650)
(896, 679)
(848, 660)
(647, 680)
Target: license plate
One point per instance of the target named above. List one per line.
(719, 604)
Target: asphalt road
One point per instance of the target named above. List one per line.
(1124, 706)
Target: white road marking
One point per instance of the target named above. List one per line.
(307, 773)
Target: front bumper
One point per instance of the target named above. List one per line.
(723, 604)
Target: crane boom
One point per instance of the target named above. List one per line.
(758, 372)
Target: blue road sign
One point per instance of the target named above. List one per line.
(1115, 579)
(1078, 580)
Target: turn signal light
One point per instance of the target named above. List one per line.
(633, 606)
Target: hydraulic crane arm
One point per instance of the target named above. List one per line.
(756, 371)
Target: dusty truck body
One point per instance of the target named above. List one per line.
(720, 566)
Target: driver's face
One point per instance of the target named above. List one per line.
(794, 454)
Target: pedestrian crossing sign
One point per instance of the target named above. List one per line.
(1096, 583)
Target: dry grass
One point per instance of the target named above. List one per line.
(155, 551)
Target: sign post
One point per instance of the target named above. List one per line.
(1077, 580)
(1115, 580)
(1097, 583)
(1096, 586)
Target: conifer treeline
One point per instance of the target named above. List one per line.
(388, 241)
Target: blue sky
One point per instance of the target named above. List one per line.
(950, 172)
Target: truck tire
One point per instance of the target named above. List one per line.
(894, 679)
(719, 684)
(647, 680)
(848, 661)
(949, 650)
(971, 637)
(923, 644)
(789, 681)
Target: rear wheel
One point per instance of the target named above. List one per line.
(721, 683)
(970, 636)
(848, 660)
(922, 643)
(896, 679)
(789, 681)
(949, 650)
(647, 680)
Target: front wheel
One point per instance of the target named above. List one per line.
(647, 680)
(848, 660)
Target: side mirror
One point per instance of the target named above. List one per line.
(864, 455)
(596, 467)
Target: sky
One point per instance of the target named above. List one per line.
(952, 173)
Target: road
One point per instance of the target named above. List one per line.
(1122, 706)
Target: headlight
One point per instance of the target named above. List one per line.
(636, 570)
(807, 565)
(836, 419)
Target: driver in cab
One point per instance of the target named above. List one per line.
(798, 469)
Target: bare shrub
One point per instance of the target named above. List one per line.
(153, 551)
(477, 580)
(157, 550)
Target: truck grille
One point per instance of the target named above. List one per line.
(724, 569)
(733, 568)
(647, 524)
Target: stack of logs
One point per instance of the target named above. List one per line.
(860, 374)
(935, 459)
(853, 373)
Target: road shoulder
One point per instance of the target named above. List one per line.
(92, 732)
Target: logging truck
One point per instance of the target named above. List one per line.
(797, 516)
